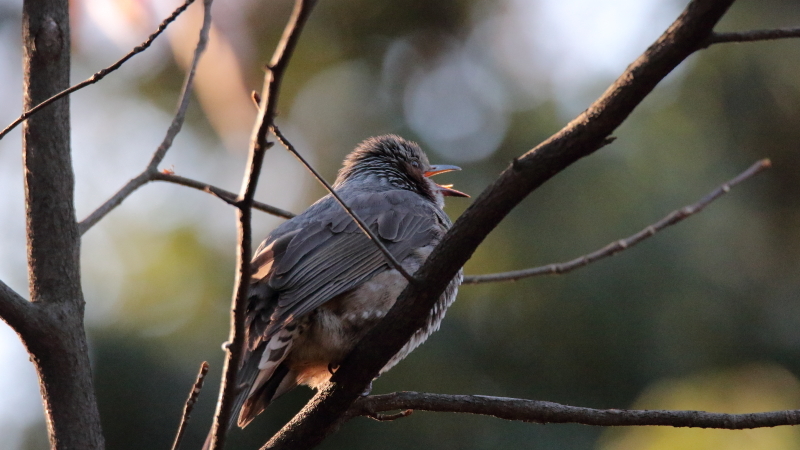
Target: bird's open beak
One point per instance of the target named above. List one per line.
(446, 190)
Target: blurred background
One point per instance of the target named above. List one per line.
(705, 315)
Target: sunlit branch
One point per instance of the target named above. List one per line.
(622, 244)
(548, 412)
(102, 73)
(258, 147)
(363, 226)
(189, 406)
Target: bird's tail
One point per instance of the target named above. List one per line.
(252, 405)
(246, 406)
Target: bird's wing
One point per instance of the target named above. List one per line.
(313, 258)
(328, 254)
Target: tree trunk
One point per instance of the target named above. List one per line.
(56, 340)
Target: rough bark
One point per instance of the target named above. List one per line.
(57, 341)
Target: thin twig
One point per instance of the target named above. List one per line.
(754, 35)
(102, 73)
(226, 196)
(258, 147)
(187, 409)
(151, 172)
(115, 200)
(390, 259)
(548, 412)
(622, 244)
(380, 417)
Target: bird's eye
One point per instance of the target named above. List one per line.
(415, 164)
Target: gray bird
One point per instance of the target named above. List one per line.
(319, 284)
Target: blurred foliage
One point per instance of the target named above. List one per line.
(718, 291)
(753, 388)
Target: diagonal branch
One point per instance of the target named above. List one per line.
(115, 200)
(363, 226)
(102, 73)
(177, 122)
(14, 310)
(581, 137)
(258, 147)
(189, 406)
(752, 36)
(548, 412)
(623, 244)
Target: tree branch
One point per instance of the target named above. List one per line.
(623, 244)
(14, 310)
(361, 225)
(187, 409)
(115, 200)
(549, 412)
(57, 340)
(579, 138)
(226, 196)
(258, 147)
(151, 172)
(752, 36)
(102, 73)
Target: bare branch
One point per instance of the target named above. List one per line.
(581, 137)
(549, 412)
(187, 409)
(101, 74)
(14, 310)
(361, 225)
(258, 147)
(151, 172)
(226, 196)
(752, 36)
(115, 200)
(183, 103)
(379, 417)
(622, 244)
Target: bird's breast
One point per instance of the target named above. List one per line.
(336, 326)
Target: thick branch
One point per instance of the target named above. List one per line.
(623, 244)
(57, 344)
(361, 225)
(102, 73)
(548, 412)
(755, 35)
(258, 147)
(579, 138)
(14, 310)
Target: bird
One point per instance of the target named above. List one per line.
(318, 283)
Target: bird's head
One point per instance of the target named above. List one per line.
(392, 161)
